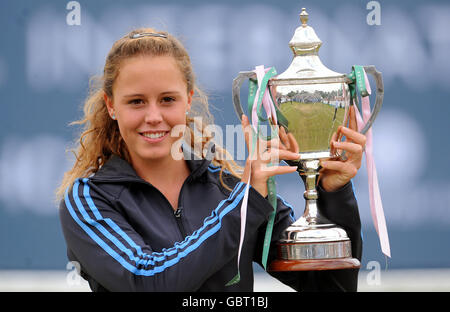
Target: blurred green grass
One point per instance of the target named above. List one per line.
(312, 124)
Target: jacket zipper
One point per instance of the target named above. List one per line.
(177, 214)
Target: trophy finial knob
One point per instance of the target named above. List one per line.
(305, 40)
(304, 17)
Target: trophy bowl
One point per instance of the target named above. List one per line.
(312, 102)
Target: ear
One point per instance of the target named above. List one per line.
(109, 104)
(190, 96)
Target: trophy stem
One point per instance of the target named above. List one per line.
(309, 168)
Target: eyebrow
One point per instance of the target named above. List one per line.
(133, 95)
(141, 95)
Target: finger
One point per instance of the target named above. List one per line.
(344, 168)
(244, 121)
(353, 148)
(253, 151)
(284, 138)
(293, 143)
(352, 124)
(276, 155)
(246, 173)
(275, 142)
(334, 138)
(270, 171)
(353, 135)
(246, 128)
(354, 153)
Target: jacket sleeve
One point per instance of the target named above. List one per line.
(339, 207)
(115, 255)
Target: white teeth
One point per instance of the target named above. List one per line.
(154, 135)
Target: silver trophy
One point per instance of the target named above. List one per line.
(312, 101)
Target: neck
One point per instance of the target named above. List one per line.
(161, 171)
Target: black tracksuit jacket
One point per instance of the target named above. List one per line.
(126, 236)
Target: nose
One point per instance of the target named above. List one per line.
(153, 114)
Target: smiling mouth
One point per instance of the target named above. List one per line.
(154, 135)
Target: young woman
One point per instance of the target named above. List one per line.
(137, 218)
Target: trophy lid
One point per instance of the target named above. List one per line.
(306, 63)
(305, 39)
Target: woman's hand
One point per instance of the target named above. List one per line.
(336, 173)
(284, 148)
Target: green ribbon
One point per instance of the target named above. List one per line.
(358, 82)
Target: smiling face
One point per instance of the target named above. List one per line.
(150, 98)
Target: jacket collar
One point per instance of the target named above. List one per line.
(117, 169)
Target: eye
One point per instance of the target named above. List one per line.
(168, 99)
(136, 101)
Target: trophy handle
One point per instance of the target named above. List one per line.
(236, 90)
(379, 96)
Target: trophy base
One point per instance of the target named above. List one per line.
(314, 264)
(314, 247)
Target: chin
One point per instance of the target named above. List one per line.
(155, 155)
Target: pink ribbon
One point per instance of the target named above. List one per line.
(376, 206)
(266, 101)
